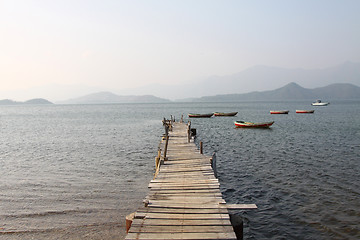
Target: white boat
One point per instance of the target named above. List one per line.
(320, 103)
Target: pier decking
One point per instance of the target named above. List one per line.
(184, 200)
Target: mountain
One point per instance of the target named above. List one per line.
(108, 97)
(38, 101)
(257, 78)
(34, 101)
(291, 91)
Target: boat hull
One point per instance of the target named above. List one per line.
(195, 115)
(241, 124)
(305, 111)
(320, 104)
(219, 114)
(279, 112)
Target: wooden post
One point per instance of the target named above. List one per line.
(201, 147)
(213, 164)
(129, 219)
(189, 131)
(166, 130)
(157, 159)
(166, 146)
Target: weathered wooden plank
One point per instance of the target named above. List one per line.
(184, 205)
(160, 188)
(188, 236)
(188, 201)
(238, 206)
(184, 210)
(177, 229)
(183, 216)
(181, 222)
(176, 180)
(211, 192)
(184, 183)
(181, 198)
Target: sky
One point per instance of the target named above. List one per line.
(117, 44)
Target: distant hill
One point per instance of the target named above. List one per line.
(291, 91)
(256, 78)
(35, 101)
(108, 97)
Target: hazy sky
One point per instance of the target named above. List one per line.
(117, 44)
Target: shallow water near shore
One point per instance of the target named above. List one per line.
(76, 171)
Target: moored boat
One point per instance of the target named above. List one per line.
(305, 111)
(199, 115)
(221, 114)
(279, 112)
(253, 125)
(320, 103)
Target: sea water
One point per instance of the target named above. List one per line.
(76, 171)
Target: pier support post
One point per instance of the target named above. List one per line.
(166, 146)
(213, 164)
(201, 147)
(237, 224)
(189, 131)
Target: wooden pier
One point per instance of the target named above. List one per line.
(184, 200)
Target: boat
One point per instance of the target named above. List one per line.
(221, 114)
(253, 125)
(198, 115)
(279, 112)
(320, 103)
(305, 111)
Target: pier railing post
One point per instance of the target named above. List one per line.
(166, 146)
(189, 131)
(201, 147)
(213, 163)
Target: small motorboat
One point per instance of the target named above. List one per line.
(279, 112)
(221, 114)
(198, 115)
(305, 111)
(320, 103)
(253, 125)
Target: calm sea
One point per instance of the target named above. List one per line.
(75, 171)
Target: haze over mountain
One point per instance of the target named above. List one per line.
(108, 97)
(257, 78)
(35, 101)
(291, 91)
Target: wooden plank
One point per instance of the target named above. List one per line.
(176, 180)
(160, 188)
(177, 222)
(183, 210)
(176, 229)
(183, 216)
(239, 206)
(185, 199)
(188, 236)
(184, 205)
